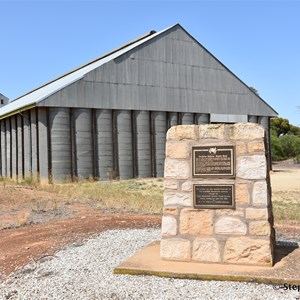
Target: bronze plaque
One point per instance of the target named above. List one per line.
(214, 161)
(214, 196)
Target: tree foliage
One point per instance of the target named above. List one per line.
(280, 126)
(254, 90)
(285, 140)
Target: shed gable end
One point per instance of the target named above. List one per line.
(171, 72)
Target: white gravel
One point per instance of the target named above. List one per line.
(85, 271)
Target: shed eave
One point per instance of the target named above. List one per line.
(17, 111)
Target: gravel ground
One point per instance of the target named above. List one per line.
(85, 271)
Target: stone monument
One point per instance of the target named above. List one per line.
(217, 198)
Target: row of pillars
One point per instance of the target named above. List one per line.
(68, 143)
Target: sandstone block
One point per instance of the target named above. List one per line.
(212, 131)
(251, 167)
(240, 148)
(260, 194)
(169, 210)
(168, 226)
(176, 169)
(256, 146)
(187, 186)
(230, 225)
(171, 184)
(196, 222)
(261, 228)
(244, 250)
(238, 212)
(206, 250)
(175, 249)
(177, 149)
(246, 131)
(173, 199)
(182, 132)
(242, 196)
(256, 213)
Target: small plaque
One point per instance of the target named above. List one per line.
(214, 161)
(214, 196)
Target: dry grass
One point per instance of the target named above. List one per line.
(139, 195)
(143, 195)
(286, 195)
(286, 206)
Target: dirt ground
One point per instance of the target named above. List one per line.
(33, 225)
(19, 246)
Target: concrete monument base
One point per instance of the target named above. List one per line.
(147, 261)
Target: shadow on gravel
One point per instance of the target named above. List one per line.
(283, 249)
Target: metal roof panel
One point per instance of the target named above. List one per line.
(46, 90)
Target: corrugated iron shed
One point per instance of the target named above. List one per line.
(109, 117)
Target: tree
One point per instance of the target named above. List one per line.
(254, 90)
(294, 130)
(280, 126)
(285, 140)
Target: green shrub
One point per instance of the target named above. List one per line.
(284, 147)
(297, 159)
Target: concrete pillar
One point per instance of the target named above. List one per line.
(20, 146)
(173, 119)
(104, 144)
(143, 144)
(61, 157)
(43, 147)
(84, 142)
(124, 141)
(252, 119)
(8, 147)
(3, 149)
(27, 144)
(33, 140)
(14, 147)
(187, 119)
(202, 119)
(160, 129)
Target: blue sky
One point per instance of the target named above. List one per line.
(258, 40)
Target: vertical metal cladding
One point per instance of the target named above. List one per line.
(44, 145)
(3, 149)
(26, 144)
(8, 146)
(14, 147)
(20, 148)
(59, 124)
(160, 129)
(143, 143)
(264, 122)
(172, 119)
(104, 144)
(252, 119)
(124, 141)
(187, 118)
(202, 119)
(84, 142)
(34, 145)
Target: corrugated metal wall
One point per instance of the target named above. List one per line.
(142, 129)
(171, 72)
(104, 144)
(60, 136)
(112, 122)
(67, 143)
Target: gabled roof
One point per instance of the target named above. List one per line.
(32, 98)
(37, 95)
